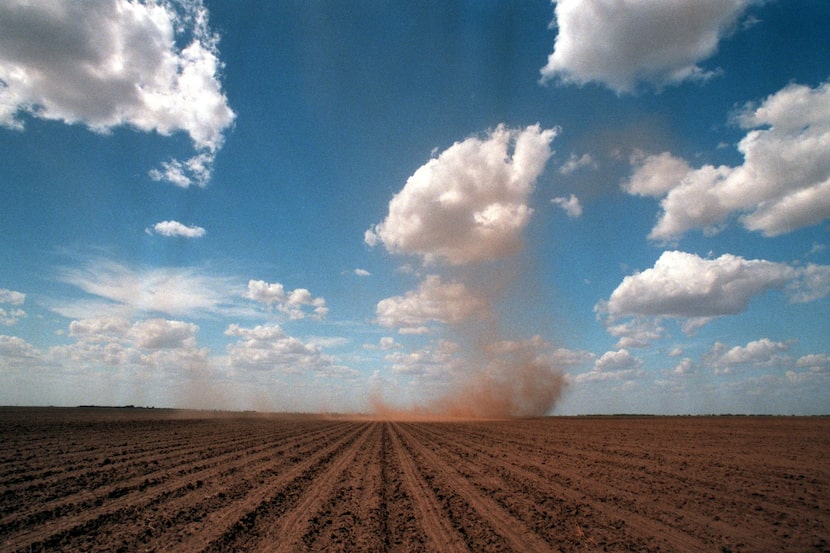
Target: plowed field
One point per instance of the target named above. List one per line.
(157, 480)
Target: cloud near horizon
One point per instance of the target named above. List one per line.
(110, 63)
(783, 184)
(268, 348)
(685, 286)
(622, 44)
(758, 353)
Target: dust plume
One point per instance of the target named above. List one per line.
(518, 381)
(459, 213)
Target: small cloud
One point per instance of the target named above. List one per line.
(175, 228)
(12, 297)
(386, 343)
(362, 272)
(686, 366)
(194, 171)
(9, 317)
(296, 304)
(571, 206)
(575, 163)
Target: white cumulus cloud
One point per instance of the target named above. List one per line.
(613, 365)
(570, 204)
(296, 304)
(782, 185)
(575, 163)
(269, 348)
(12, 297)
(470, 203)
(433, 301)
(109, 63)
(175, 228)
(685, 286)
(758, 353)
(9, 317)
(622, 43)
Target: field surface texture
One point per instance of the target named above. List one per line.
(158, 480)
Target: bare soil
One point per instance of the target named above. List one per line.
(160, 480)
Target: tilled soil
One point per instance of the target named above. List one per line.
(159, 480)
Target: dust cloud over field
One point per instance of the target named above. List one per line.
(524, 387)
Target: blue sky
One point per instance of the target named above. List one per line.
(466, 207)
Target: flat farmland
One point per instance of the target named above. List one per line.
(159, 480)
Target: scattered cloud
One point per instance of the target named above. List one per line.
(782, 185)
(16, 348)
(175, 228)
(758, 353)
(196, 170)
(575, 163)
(613, 365)
(12, 297)
(571, 206)
(433, 301)
(816, 363)
(155, 334)
(622, 44)
(9, 317)
(685, 367)
(269, 348)
(116, 342)
(638, 332)
(295, 304)
(150, 66)
(362, 272)
(470, 203)
(386, 343)
(438, 361)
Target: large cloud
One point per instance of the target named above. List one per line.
(470, 203)
(107, 63)
(620, 43)
(434, 300)
(782, 185)
(685, 286)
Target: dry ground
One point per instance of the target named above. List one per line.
(157, 480)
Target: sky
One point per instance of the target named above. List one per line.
(476, 208)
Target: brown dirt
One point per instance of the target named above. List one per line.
(158, 480)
